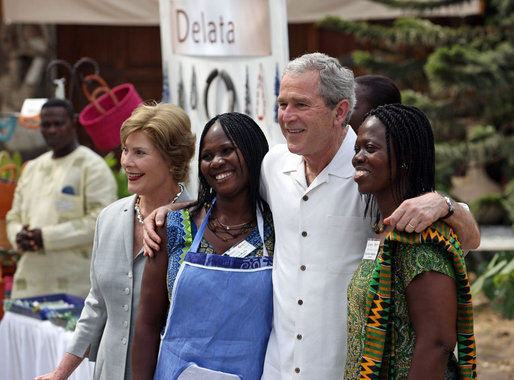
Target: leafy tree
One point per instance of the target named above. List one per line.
(462, 76)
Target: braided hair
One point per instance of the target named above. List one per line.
(409, 130)
(247, 136)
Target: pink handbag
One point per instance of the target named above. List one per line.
(103, 117)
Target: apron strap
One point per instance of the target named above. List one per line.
(260, 227)
(201, 230)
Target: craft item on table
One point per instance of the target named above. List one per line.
(229, 86)
(41, 306)
(7, 126)
(193, 97)
(260, 94)
(180, 89)
(277, 91)
(67, 320)
(248, 101)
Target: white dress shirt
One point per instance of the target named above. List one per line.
(320, 240)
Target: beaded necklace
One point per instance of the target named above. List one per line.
(226, 232)
(138, 211)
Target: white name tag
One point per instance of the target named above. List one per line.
(241, 249)
(372, 247)
(64, 205)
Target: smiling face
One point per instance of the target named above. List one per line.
(147, 171)
(309, 126)
(371, 161)
(219, 164)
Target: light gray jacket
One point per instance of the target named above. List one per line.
(108, 319)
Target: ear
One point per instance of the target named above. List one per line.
(342, 108)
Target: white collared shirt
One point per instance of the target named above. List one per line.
(320, 240)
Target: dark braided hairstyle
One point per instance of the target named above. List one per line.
(410, 132)
(248, 137)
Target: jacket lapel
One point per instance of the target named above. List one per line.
(127, 223)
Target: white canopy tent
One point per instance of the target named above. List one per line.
(146, 12)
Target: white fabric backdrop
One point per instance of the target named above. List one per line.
(146, 12)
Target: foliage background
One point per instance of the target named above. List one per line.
(462, 76)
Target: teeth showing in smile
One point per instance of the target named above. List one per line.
(223, 175)
(294, 131)
(359, 173)
(134, 176)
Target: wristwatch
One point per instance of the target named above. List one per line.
(451, 207)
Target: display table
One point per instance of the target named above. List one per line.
(30, 347)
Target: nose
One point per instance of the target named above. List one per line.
(217, 161)
(125, 159)
(50, 128)
(358, 157)
(286, 114)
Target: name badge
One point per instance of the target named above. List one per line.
(241, 249)
(372, 247)
(64, 205)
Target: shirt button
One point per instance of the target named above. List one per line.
(125, 324)
(300, 302)
(124, 341)
(299, 337)
(305, 198)
(304, 233)
(297, 370)
(127, 290)
(125, 307)
(303, 267)
(129, 274)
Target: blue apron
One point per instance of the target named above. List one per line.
(220, 316)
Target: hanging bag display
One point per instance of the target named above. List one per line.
(7, 188)
(7, 126)
(103, 117)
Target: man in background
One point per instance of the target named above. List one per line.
(54, 210)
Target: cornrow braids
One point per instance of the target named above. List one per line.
(248, 137)
(410, 133)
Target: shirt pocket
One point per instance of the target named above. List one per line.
(69, 206)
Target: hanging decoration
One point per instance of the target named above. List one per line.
(260, 94)
(165, 85)
(277, 91)
(194, 91)
(248, 101)
(75, 74)
(181, 94)
(229, 86)
(7, 126)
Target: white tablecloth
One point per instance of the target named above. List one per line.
(30, 347)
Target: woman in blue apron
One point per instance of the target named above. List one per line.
(212, 290)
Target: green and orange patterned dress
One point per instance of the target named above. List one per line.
(387, 352)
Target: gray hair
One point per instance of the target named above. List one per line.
(336, 82)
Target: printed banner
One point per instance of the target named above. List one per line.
(221, 27)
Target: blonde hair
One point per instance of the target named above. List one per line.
(169, 129)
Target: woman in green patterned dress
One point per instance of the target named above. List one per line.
(409, 301)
